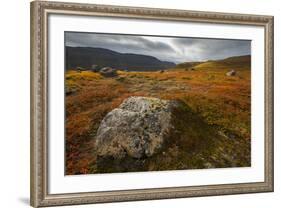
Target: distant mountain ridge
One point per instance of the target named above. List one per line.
(86, 57)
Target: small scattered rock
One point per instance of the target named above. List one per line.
(95, 68)
(189, 69)
(228, 135)
(79, 69)
(231, 73)
(70, 90)
(108, 72)
(208, 165)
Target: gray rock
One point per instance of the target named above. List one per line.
(95, 68)
(80, 69)
(231, 73)
(108, 72)
(208, 165)
(138, 128)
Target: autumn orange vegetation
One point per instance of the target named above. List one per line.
(220, 100)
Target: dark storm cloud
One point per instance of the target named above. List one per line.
(120, 43)
(164, 48)
(207, 49)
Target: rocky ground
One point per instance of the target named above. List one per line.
(210, 123)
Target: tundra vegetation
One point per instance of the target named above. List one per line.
(211, 125)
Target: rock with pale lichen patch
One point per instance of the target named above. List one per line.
(138, 128)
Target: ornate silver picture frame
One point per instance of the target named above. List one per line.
(40, 195)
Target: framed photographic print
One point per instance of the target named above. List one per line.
(140, 103)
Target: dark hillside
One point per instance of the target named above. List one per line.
(86, 57)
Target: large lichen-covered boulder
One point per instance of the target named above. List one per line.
(138, 128)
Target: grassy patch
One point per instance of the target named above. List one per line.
(214, 119)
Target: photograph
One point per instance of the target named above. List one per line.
(137, 103)
(133, 103)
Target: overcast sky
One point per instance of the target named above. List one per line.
(172, 49)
